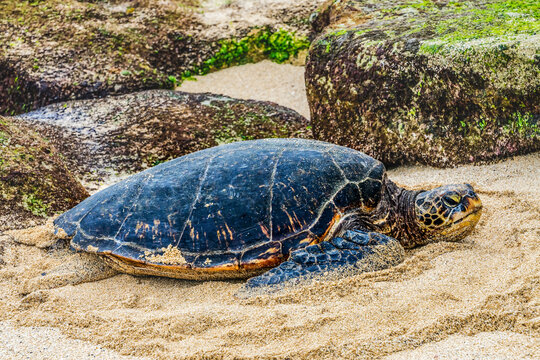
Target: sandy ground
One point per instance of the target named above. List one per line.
(17, 343)
(282, 84)
(484, 345)
(477, 299)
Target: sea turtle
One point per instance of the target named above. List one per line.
(275, 210)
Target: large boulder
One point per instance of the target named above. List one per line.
(53, 51)
(105, 138)
(34, 180)
(438, 83)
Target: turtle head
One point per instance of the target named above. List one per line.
(447, 213)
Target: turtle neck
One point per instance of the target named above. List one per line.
(395, 215)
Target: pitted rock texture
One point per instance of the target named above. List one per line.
(62, 50)
(438, 83)
(119, 135)
(34, 180)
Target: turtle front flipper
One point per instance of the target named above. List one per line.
(356, 251)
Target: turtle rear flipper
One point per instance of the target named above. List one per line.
(80, 268)
(356, 251)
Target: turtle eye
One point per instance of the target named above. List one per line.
(452, 199)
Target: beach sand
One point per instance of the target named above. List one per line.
(265, 80)
(476, 299)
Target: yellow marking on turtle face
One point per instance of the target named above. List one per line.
(207, 261)
(156, 223)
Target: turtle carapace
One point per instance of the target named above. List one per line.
(302, 208)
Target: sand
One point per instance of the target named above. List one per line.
(267, 81)
(484, 345)
(18, 343)
(479, 298)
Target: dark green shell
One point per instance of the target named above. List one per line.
(240, 205)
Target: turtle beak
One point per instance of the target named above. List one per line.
(470, 211)
(472, 203)
(473, 206)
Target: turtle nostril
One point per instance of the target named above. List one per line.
(474, 201)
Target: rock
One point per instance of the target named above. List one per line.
(104, 138)
(432, 82)
(63, 50)
(34, 180)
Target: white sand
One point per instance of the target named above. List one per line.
(268, 81)
(33, 343)
(494, 345)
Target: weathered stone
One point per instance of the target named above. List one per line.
(60, 50)
(34, 180)
(128, 133)
(438, 83)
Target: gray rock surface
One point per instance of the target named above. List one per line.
(438, 83)
(34, 180)
(65, 50)
(104, 138)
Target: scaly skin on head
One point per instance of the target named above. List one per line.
(446, 213)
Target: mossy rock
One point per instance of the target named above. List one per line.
(34, 180)
(439, 83)
(59, 50)
(104, 138)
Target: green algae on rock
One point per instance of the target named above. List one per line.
(278, 46)
(109, 137)
(34, 180)
(438, 83)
